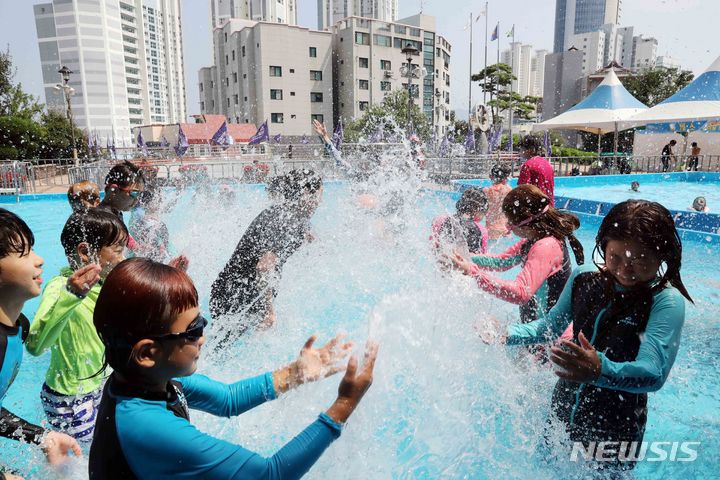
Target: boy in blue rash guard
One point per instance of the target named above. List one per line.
(20, 280)
(627, 320)
(148, 317)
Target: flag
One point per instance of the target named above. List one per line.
(548, 144)
(495, 134)
(222, 137)
(511, 33)
(481, 14)
(277, 138)
(163, 142)
(304, 140)
(338, 135)
(494, 35)
(470, 140)
(182, 144)
(141, 144)
(442, 151)
(262, 135)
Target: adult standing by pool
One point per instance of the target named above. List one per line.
(536, 170)
(246, 286)
(667, 152)
(694, 157)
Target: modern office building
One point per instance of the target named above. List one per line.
(582, 16)
(275, 11)
(126, 57)
(368, 59)
(332, 11)
(269, 71)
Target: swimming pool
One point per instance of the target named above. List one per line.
(443, 405)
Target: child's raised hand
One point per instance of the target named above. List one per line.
(319, 128)
(354, 384)
(491, 332)
(314, 364)
(84, 279)
(57, 447)
(461, 263)
(578, 363)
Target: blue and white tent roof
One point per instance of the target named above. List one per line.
(608, 105)
(700, 100)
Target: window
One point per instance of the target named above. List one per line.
(242, 49)
(201, 88)
(212, 84)
(277, 118)
(293, 116)
(236, 98)
(316, 75)
(385, 86)
(362, 38)
(414, 32)
(385, 65)
(382, 40)
(234, 77)
(225, 36)
(227, 61)
(275, 71)
(402, 30)
(228, 101)
(244, 75)
(316, 97)
(363, 106)
(275, 94)
(313, 52)
(318, 117)
(363, 62)
(292, 70)
(292, 94)
(233, 54)
(364, 84)
(202, 106)
(227, 81)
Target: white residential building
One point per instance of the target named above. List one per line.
(115, 49)
(592, 44)
(644, 52)
(270, 71)
(368, 59)
(667, 61)
(332, 11)
(275, 11)
(528, 66)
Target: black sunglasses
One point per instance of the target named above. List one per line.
(193, 333)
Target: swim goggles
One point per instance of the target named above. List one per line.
(531, 218)
(193, 333)
(131, 192)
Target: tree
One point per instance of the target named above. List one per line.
(496, 80)
(58, 139)
(654, 85)
(390, 118)
(13, 100)
(20, 138)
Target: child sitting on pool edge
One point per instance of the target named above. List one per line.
(93, 241)
(20, 280)
(149, 319)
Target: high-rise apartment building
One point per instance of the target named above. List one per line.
(582, 16)
(275, 11)
(332, 11)
(368, 59)
(126, 57)
(528, 66)
(270, 71)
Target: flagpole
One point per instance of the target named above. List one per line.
(512, 89)
(470, 76)
(486, 42)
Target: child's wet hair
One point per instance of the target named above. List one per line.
(298, 182)
(97, 228)
(651, 225)
(472, 200)
(15, 235)
(139, 299)
(499, 173)
(124, 175)
(83, 192)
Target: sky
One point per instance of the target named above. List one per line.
(685, 30)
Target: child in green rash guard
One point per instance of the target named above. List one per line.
(93, 241)
(627, 314)
(20, 280)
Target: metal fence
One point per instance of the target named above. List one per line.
(15, 178)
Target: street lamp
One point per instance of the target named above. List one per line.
(410, 71)
(68, 91)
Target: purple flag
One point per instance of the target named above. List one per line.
(376, 136)
(262, 135)
(141, 144)
(182, 144)
(304, 140)
(494, 35)
(548, 144)
(444, 145)
(470, 140)
(222, 136)
(163, 142)
(277, 138)
(338, 135)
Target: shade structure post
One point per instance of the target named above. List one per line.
(615, 140)
(599, 134)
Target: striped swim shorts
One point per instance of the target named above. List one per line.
(71, 414)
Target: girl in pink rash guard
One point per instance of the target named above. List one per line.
(536, 170)
(542, 252)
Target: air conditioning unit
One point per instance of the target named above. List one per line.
(388, 74)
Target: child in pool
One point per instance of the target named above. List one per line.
(542, 252)
(466, 224)
(495, 219)
(94, 241)
(627, 313)
(20, 280)
(635, 186)
(83, 195)
(148, 317)
(700, 205)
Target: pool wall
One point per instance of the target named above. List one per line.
(703, 227)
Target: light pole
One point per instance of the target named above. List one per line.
(68, 91)
(410, 71)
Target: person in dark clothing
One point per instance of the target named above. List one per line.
(667, 153)
(246, 286)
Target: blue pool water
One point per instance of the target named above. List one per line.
(443, 404)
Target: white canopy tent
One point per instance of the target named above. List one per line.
(601, 112)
